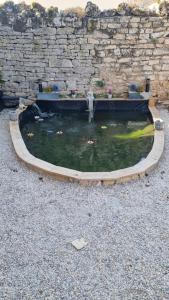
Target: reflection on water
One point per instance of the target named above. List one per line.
(68, 140)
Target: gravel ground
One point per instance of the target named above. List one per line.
(126, 226)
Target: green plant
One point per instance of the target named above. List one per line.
(38, 7)
(100, 83)
(47, 89)
(1, 79)
(52, 12)
(152, 39)
(91, 25)
(36, 46)
(9, 5)
(36, 43)
(101, 96)
(147, 131)
(80, 95)
(141, 89)
(63, 96)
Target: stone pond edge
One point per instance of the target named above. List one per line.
(91, 178)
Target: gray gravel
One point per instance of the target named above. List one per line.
(126, 227)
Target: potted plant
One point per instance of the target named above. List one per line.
(73, 93)
(109, 94)
(48, 92)
(100, 84)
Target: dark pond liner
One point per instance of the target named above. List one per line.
(81, 105)
(128, 106)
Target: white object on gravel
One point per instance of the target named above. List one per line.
(79, 244)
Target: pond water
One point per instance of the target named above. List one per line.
(113, 140)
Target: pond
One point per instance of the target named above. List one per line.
(113, 140)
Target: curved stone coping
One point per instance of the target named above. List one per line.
(89, 178)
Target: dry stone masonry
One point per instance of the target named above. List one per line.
(76, 51)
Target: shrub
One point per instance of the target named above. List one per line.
(100, 83)
(79, 11)
(52, 12)
(38, 8)
(9, 6)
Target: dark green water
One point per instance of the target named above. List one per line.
(72, 150)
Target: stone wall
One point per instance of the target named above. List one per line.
(118, 50)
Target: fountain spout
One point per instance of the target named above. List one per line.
(90, 103)
(38, 110)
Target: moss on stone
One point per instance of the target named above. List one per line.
(91, 25)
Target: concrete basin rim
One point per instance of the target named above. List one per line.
(117, 176)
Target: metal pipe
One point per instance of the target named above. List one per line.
(147, 88)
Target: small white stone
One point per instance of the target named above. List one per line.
(79, 243)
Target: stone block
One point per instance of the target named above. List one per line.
(114, 25)
(134, 25)
(66, 63)
(160, 52)
(165, 67)
(119, 36)
(66, 30)
(135, 20)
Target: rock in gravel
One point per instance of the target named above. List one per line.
(79, 244)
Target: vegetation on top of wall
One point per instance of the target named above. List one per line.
(76, 11)
(52, 12)
(164, 8)
(38, 7)
(20, 16)
(35, 15)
